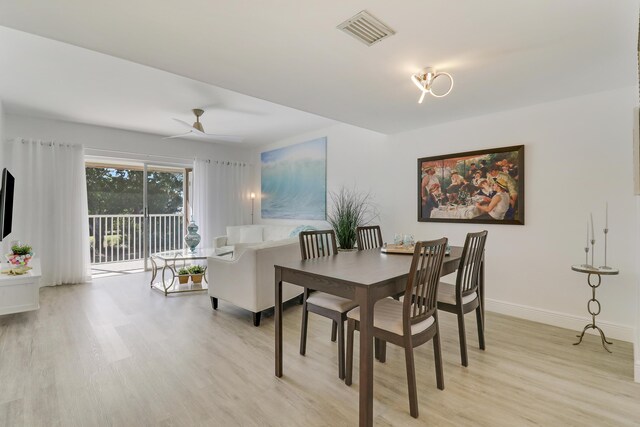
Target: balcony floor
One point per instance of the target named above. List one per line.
(116, 268)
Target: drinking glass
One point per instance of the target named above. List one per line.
(408, 240)
(397, 239)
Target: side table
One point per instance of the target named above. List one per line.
(598, 272)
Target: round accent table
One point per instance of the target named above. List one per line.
(593, 304)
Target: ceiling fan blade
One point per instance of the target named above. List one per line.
(227, 138)
(185, 124)
(178, 136)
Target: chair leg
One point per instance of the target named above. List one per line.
(351, 327)
(214, 303)
(411, 380)
(376, 348)
(341, 350)
(334, 330)
(437, 355)
(480, 321)
(303, 328)
(463, 339)
(383, 351)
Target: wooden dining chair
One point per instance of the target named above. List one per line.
(463, 296)
(369, 237)
(315, 244)
(411, 322)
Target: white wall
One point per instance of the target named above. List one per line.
(353, 156)
(578, 155)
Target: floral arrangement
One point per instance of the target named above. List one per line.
(20, 255)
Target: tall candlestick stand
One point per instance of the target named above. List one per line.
(597, 272)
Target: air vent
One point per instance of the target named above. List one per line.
(366, 28)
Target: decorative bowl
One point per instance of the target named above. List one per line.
(19, 260)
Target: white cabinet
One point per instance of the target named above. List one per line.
(20, 293)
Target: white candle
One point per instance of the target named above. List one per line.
(593, 235)
(587, 233)
(606, 215)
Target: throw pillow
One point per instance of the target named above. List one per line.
(233, 234)
(251, 235)
(298, 229)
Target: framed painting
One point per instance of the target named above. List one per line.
(294, 181)
(479, 187)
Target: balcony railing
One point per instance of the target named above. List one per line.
(117, 238)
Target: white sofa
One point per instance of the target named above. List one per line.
(246, 279)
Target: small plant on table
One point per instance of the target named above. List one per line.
(183, 275)
(197, 272)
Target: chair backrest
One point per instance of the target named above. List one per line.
(317, 243)
(369, 237)
(470, 262)
(421, 294)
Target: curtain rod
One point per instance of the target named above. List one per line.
(89, 149)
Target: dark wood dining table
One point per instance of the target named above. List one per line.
(365, 277)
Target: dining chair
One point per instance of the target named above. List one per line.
(411, 322)
(369, 237)
(463, 296)
(315, 244)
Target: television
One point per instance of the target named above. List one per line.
(6, 203)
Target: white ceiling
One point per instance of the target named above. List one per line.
(45, 78)
(503, 54)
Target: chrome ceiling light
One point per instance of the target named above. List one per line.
(424, 80)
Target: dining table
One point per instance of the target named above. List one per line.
(364, 276)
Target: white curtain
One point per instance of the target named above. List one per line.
(50, 208)
(221, 192)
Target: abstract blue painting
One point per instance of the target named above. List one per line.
(294, 181)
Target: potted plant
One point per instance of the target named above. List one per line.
(351, 209)
(20, 255)
(197, 272)
(183, 275)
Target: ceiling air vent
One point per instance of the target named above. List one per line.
(366, 28)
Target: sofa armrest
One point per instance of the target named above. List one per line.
(247, 279)
(219, 241)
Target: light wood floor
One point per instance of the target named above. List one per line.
(115, 353)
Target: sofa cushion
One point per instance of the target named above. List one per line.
(251, 235)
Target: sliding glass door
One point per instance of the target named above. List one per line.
(164, 208)
(135, 209)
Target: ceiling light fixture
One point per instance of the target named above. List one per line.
(424, 80)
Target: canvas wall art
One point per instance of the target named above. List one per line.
(294, 181)
(483, 187)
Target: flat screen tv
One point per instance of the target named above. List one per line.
(6, 203)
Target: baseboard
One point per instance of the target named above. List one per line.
(562, 320)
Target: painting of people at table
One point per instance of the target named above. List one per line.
(484, 186)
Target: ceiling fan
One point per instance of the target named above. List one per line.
(197, 130)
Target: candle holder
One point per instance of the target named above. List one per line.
(605, 266)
